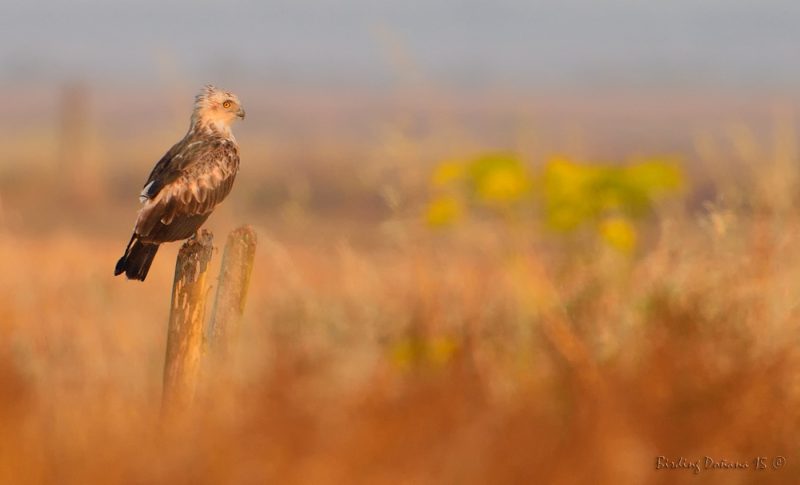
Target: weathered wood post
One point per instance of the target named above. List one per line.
(186, 317)
(234, 281)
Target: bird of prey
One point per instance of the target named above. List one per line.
(187, 183)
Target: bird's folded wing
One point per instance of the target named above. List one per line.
(184, 186)
(172, 165)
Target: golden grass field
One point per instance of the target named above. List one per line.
(378, 350)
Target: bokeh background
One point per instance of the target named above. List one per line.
(499, 242)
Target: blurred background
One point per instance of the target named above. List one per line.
(499, 242)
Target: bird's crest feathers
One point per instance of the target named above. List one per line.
(215, 109)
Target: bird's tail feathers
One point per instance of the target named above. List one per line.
(136, 261)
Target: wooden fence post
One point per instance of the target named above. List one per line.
(234, 281)
(185, 332)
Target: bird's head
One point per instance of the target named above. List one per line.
(217, 108)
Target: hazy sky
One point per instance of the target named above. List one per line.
(737, 43)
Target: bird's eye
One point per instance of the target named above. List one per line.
(226, 104)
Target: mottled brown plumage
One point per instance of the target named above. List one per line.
(189, 181)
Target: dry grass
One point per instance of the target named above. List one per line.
(378, 351)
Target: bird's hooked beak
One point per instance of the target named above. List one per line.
(240, 113)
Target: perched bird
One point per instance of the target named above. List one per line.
(187, 183)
